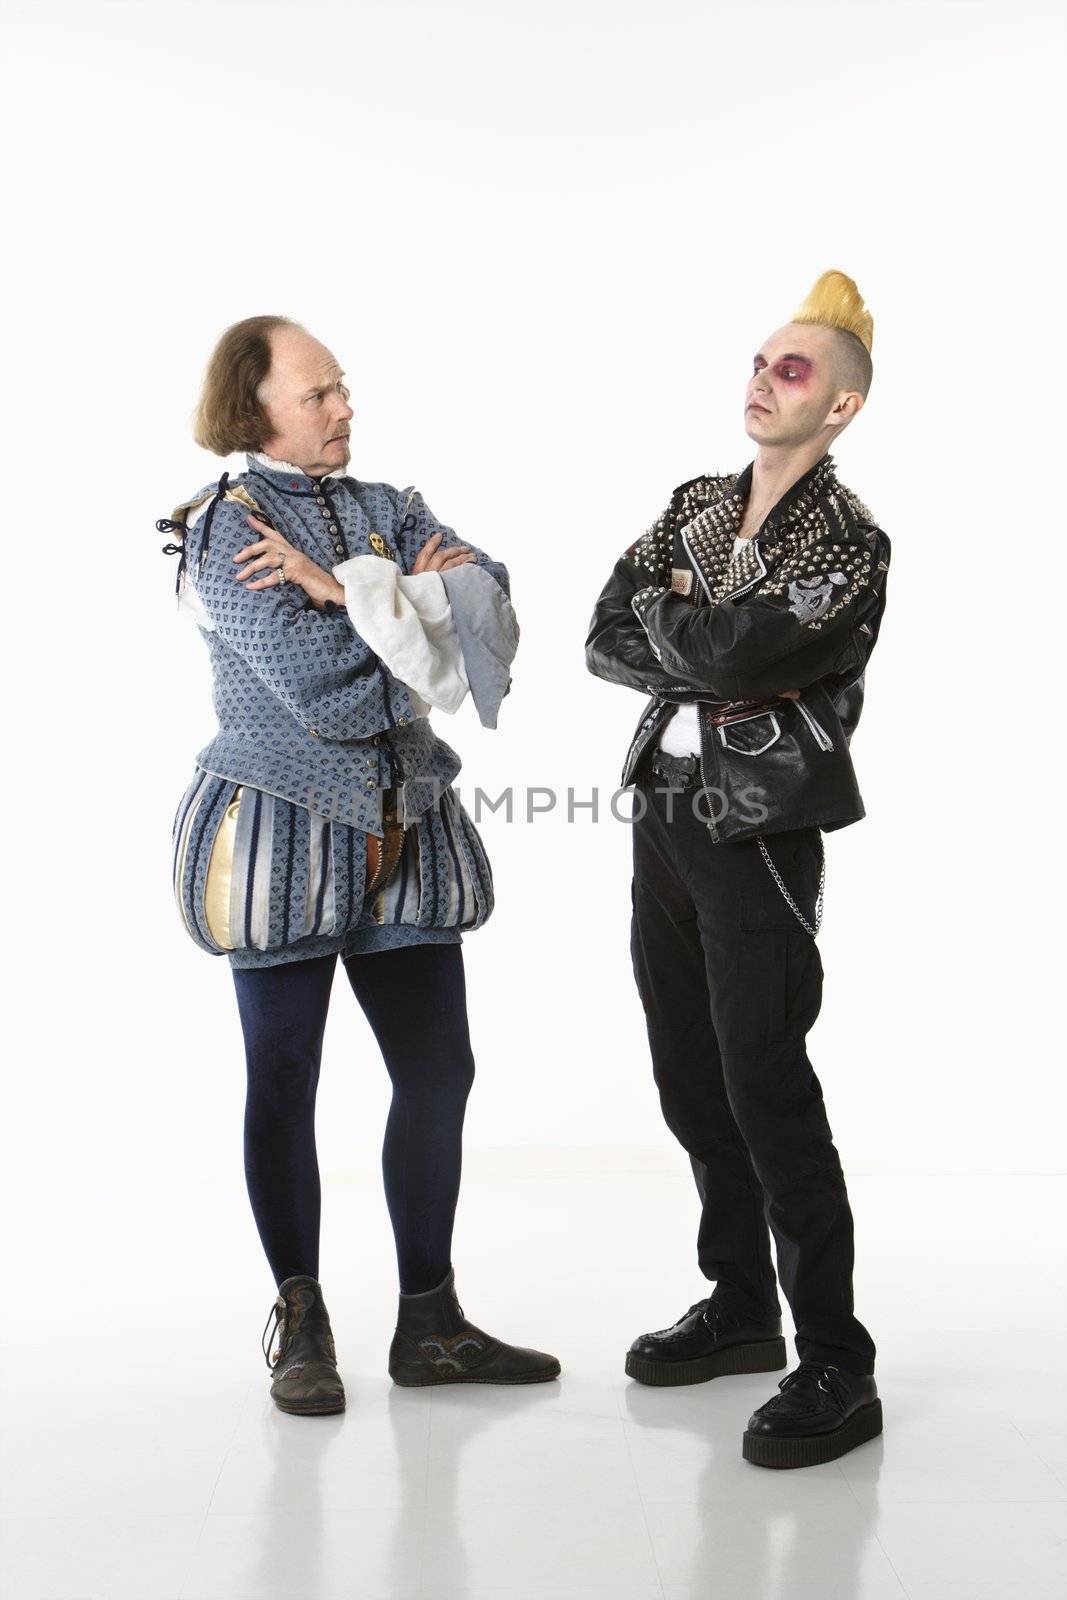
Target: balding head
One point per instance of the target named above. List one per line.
(306, 403)
(271, 386)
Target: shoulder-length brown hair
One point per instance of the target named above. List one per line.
(229, 417)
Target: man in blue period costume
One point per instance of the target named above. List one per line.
(748, 613)
(320, 823)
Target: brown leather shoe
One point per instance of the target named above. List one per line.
(434, 1343)
(306, 1381)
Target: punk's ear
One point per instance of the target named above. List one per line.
(851, 403)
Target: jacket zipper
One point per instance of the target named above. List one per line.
(745, 587)
(822, 738)
(709, 821)
(695, 566)
(638, 742)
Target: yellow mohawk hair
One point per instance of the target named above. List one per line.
(835, 302)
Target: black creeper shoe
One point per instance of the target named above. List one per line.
(710, 1341)
(821, 1413)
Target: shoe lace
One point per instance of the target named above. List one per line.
(822, 1375)
(277, 1311)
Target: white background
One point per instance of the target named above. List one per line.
(544, 241)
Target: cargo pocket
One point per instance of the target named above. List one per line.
(797, 855)
(777, 989)
(756, 1007)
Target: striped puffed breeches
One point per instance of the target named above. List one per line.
(262, 879)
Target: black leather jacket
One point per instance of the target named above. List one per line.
(682, 618)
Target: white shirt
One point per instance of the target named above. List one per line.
(681, 731)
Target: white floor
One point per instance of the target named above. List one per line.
(143, 1459)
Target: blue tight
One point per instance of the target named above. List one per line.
(414, 998)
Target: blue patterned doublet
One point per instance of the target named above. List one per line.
(269, 838)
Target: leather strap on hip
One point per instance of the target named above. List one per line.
(383, 855)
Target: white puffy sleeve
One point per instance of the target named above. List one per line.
(406, 619)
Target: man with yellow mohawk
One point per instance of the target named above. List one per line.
(748, 612)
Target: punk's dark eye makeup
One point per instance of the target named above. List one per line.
(790, 368)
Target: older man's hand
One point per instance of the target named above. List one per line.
(432, 559)
(268, 556)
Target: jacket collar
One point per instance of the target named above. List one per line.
(796, 500)
(284, 477)
(709, 536)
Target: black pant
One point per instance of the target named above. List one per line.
(731, 983)
(415, 1001)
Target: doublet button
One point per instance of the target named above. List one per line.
(315, 733)
(403, 721)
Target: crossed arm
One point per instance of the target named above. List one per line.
(402, 635)
(814, 617)
(263, 558)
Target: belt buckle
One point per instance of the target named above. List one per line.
(741, 709)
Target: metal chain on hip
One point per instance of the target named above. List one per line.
(777, 876)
